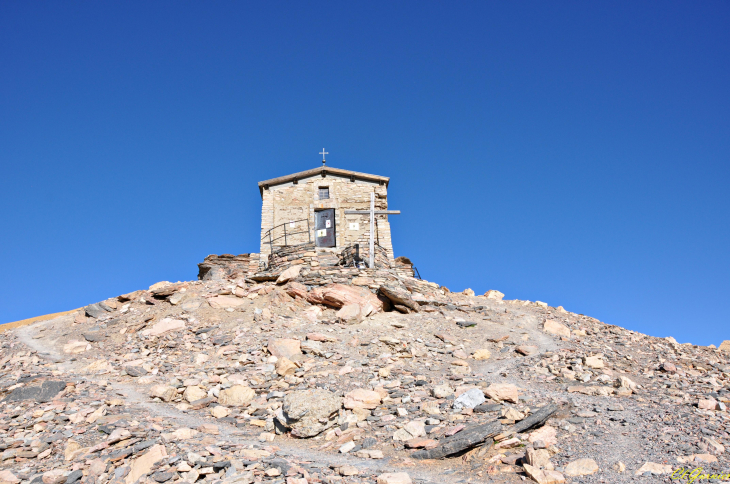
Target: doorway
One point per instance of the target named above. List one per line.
(324, 228)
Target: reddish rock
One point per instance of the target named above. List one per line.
(224, 302)
(526, 350)
(289, 274)
(295, 289)
(422, 443)
(708, 404)
(338, 295)
(286, 347)
(361, 398)
(321, 337)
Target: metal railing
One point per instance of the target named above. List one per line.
(285, 234)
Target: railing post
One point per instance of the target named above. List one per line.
(285, 244)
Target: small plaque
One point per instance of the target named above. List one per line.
(354, 225)
(328, 223)
(322, 233)
(292, 224)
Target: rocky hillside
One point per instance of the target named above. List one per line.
(388, 381)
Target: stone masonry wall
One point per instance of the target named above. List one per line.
(381, 256)
(311, 256)
(303, 254)
(323, 263)
(298, 201)
(228, 266)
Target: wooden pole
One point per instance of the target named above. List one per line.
(372, 229)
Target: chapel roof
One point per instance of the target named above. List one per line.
(323, 170)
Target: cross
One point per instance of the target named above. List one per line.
(323, 152)
(372, 212)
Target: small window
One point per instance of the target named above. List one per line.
(324, 193)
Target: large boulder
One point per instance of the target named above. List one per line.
(193, 393)
(95, 310)
(545, 434)
(581, 467)
(285, 366)
(165, 291)
(309, 412)
(556, 328)
(362, 398)
(9, 477)
(503, 391)
(163, 392)
(543, 476)
(595, 361)
(289, 274)
(442, 391)
(75, 347)
(227, 266)
(296, 289)
(143, 464)
(313, 313)
(338, 295)
(40, 393)
(469, 399)
(285, 347)
(494, 294)
(625, 385)
(539, 458)
(225, 302)
(481, 354)
(394, 478)
(653, 468)
(236, 396)
(353, 313)
(165, 326)
(399, 297)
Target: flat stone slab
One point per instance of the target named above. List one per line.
(95, 311)
(40, 393)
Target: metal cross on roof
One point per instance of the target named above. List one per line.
(323, 152)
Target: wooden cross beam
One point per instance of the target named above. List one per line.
(376, 212)
(372, 212)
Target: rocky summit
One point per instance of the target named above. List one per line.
(361, 379)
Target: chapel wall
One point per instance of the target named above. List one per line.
(295, 201)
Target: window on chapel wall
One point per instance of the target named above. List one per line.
(324, 193)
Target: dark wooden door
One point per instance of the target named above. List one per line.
(324, 228)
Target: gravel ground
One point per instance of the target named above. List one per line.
(238, 381)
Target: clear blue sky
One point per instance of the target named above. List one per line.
(570, 152)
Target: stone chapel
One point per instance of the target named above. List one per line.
(310, 206)
(318, 219)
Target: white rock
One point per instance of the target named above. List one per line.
(74, 347)
(556, 328)
(165, 326)
(654, 468)
(347, 447)
(469, 399)
(394, 478)
(494, 294)
(581, 467)
(442, 391)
